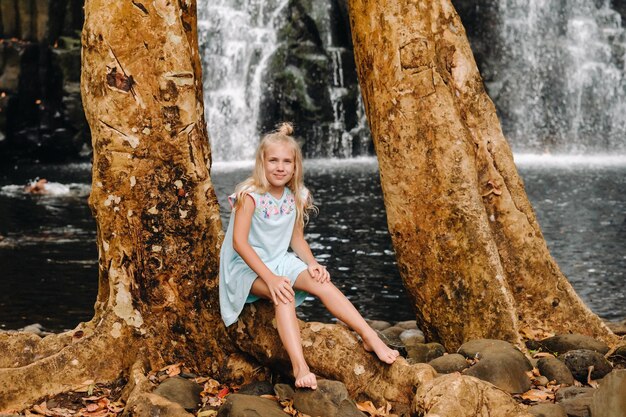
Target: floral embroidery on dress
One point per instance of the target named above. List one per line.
(289, 204)
(268, 207)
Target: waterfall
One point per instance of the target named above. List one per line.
(236, 39)
(561, 85)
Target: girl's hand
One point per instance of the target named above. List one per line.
(280, 289)
(318, 272)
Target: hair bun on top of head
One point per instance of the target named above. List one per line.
(285, 128)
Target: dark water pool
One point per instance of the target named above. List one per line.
(48, 269)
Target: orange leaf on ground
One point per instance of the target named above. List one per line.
(537, 395)
(223, 392)
(42, 409)
(92, 407)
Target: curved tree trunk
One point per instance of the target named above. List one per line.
(158, 222)
(469, 248)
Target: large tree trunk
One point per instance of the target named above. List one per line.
(158, 222)
(469, 248)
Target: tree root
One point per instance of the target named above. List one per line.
(464, 396)
(37, 367)
(332, 352)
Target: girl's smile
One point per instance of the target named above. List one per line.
(278, 166)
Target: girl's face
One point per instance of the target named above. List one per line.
(279, 164)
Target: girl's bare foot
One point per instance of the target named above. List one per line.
(372, 343)
(306, 379)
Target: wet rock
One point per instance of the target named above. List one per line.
(424, 352)
(477, 347)
(578, 361)
(257, 388)
(284, 392)
(504, 368)
(555, 370)
(571, 392)
(379, 324)
(330, 399)
(393, 333)
(182, 391)
(241, 405)
(408, 324)
(578, 406)
(609, 400)
(412, 337)
(447, 364)
(566, 342)
(149, 404)
(547, 410)
(618, 358)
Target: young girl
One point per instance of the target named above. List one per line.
(269, 212)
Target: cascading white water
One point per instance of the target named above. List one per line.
(561, 86)
(236, 37)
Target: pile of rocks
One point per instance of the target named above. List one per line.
(563, 376)
(573, 374)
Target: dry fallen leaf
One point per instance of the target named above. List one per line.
(536, 395)
(42, 409)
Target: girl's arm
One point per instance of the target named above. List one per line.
(279, 287)
(303, 250)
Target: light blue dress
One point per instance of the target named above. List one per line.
(270, 234)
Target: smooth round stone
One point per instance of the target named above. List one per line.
(284, 392)
(330, 399)
(541, 381)
(181, 391)
(412, 337)
(565, 342)
(578, 361)
(476, 348)
(577, 406)
(379, 324)
(423, 353)
(505, 369)
(257, 388)
(241, 405)
(408, 324)
(555, 370)
(393, 335)
(570, 392)
(547, 410)
(447, 364)
(610, 398)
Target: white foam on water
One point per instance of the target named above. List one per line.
(565, 160)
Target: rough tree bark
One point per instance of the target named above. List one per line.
(469, 248)
(158, 222)
(159, 233)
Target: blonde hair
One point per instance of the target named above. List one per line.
(257, 182)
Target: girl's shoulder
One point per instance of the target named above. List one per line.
(248, 190)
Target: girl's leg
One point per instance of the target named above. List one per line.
(289, 333)
(342, 308)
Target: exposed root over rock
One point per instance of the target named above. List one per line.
(333, 352)
(35, 367)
